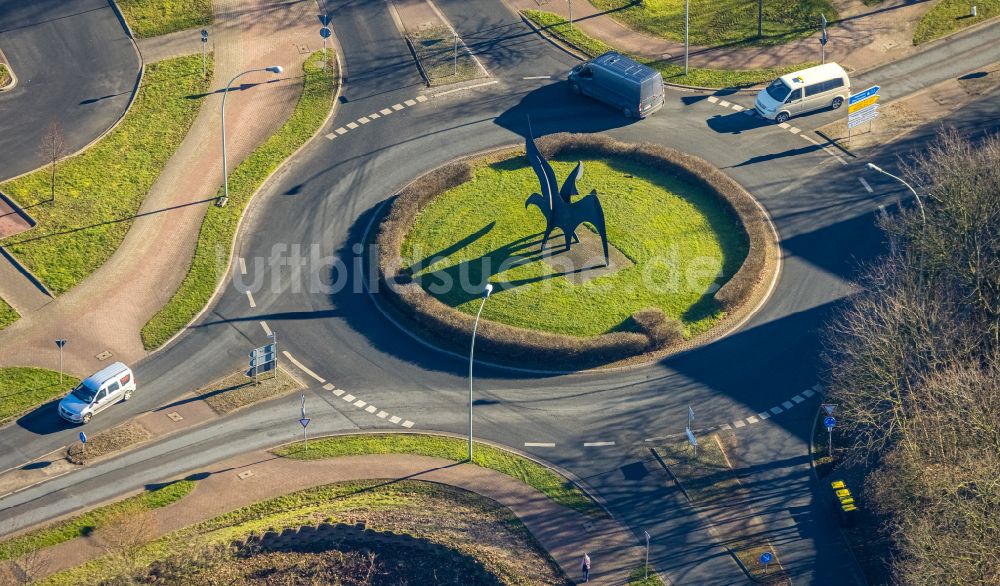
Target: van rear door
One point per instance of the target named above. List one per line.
(651, 94)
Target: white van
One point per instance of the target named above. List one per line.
(804, 91)
(97, 392)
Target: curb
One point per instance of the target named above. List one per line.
(25, 271)
(10, 71)
(251, 204)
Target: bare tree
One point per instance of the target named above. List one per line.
(124, 535)
(53, 148)
(28, 561)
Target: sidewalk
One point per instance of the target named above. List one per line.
(106, 312)
(564, 533)
(865, 37)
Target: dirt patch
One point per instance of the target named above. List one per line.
(108, 442)
(237, 391)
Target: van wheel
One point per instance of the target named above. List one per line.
(781, 117)
(627, 112)
(837, 102)
(574, 87)
(87, 418)
(128, 395)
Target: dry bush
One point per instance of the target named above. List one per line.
(124, 535)
(520, 345)
(661, 330)
(107, 442)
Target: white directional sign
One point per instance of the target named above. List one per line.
(263, 359)
(863, 107)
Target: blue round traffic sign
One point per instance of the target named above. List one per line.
(829, 422)
(83, 438)
(766, 557)
(324, 32)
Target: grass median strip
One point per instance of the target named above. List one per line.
(4, 75)
(98, 192)
(23, 389)
(672, 72)
(443, 57)
(546, 481)
(8, 314)
(150, 18)
(219, 226)
(85, 524)
(107, 442)
(949, 16)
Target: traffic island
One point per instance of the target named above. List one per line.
(690, 254)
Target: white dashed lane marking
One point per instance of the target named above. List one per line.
(266, 329)
(410, 103)
(351, 125)
(349, 398)
(398, 107)
(713, 99)
(597, 444)
(364, 120)
(394, 419)
(385, 111)
(539, 445)
(328, 387)
(250, 299)
(243, 263)
(302, 367)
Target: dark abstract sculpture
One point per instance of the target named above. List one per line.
(556, 204)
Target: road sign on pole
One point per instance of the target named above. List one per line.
(83, 438)
(862, 107)
(766, 558)
(823, 38)
(304, 422)
(829, 422)
(828, 408)
(59, 344)
(692, 440)
(325, 33)
(262, 360)
(204, 43)
(646, 535)
(690, 416)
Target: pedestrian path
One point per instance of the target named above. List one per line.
(866, 36)
(175, 44)
(257, 476)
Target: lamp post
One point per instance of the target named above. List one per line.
(225, 166)
(472, 348)
(59, 344)
(920, 203)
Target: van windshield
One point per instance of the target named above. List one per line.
(84, 393)
(778, 90)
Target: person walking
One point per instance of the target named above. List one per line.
(585, 566)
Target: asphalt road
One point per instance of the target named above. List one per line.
(327, 197)
(74, 64)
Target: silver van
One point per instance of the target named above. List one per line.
(823, 86)
(97, 392)
(634, 88)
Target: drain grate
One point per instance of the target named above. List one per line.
(174, 416)
(104, 355)
(245, 475)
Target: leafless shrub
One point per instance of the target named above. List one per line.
(662, 331)
(53, 148)
(124, 535)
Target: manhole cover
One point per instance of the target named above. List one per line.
(588, 527)
(104, 355)
(245, 475)
(174, 416)
(302, 49)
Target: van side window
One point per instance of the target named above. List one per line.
(835, 83)
(816, 88)
(795, 95)
(113, 387)
(100, 396)
(587, 72)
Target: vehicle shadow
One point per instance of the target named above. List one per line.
(44, 419)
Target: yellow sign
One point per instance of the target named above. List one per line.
(862, 104)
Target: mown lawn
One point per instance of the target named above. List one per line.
(98, 192)
(721, 22)
(547, 482)
(4, 75)
(150, 18)
(673, 72)
(23, 388)
(678, 236)
(219, 226)
(475, 541)
(8, 314)
(949, 16)
(90, 521)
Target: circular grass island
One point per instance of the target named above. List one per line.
(689, 251)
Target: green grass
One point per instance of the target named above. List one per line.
(638, 577)
(672, 72)
(949, 16)
(8, 314)
(84, 524)
(531, 473)
(4, 75)
(23, 389)
(219, 226)
(721, 22)
(678, 236)
(99, 191)
(150, 18)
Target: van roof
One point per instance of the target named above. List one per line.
(624, 66)
(110, 371)
(813, 75)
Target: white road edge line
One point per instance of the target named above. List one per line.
(302, 367)
(863, 182)
(267, 330)
(539, 444)
(243, 263)
(597, 444)
(250, 299)
(538, 77)
(462, 89)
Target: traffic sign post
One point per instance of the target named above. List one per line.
(59, 344)
(692, 440)
(304, 422)
(766, 558)
(325, 33)
(83, 441)
(646, 535)
(204, 44)
(823, 38)
(264, 359)
(862, 107)
(829, 422)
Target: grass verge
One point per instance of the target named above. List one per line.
(435, 49)
(90, 521)
(150, 18)
(108, 442)
(716, 492)
(721, 22)
(535, 475)
(4, 75)
(949, 16)
(558, 27)
(653, 218)
(22, 389)
(237, 391)
(468, 530)
(219, 226)
(99, 191)
(640, 577)
(8, 314)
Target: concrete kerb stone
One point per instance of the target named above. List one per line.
(10, 71)
(252, 204)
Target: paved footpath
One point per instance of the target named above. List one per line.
(864, 37)
(564, 533)
(108, 309)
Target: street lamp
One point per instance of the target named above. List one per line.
(472, 348)
(920, 203)
(225, 166)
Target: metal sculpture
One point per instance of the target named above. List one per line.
(557, 205)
